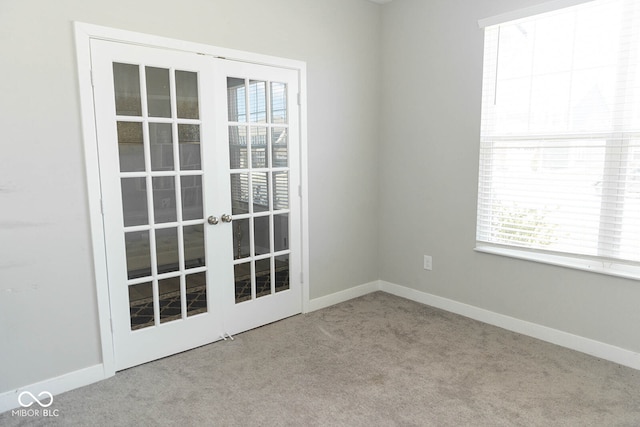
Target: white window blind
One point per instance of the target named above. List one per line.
(560, 132)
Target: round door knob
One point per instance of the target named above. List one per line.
(213, 220)
(226, 218)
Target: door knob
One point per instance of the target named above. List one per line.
(226, 218)
(213, 220)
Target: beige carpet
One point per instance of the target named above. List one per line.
(378, 360)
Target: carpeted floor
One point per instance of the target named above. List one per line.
(378, 360)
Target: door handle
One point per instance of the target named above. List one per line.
(213, 220)
(226, 218)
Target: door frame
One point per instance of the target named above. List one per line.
(84, 33)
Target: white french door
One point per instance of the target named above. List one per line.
(198, 157)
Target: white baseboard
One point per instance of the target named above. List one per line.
(55, 386)
(564, 339)
(342, 296)
(92, 374)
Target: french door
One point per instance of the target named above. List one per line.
(198, 158)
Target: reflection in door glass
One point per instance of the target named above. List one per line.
(126, 83)
(236, 100)
(281, 232)
(242, 278)
(134, 201)
(189, 139)
(158, 97)
(161, 143)
(130, 146)
(191, 189)
(187, 94)
(259, 147)
(193, 246)
(279, 148)
(261, 235)
(141, 305)
(164, 199)
(238, 152)
(282, 273)
(138, 254)
(258, 101)
(263, 277)
(170, 303)
(167, 249)
(280, 190)
(239, 193)
(260, 191)
(278, 102)
(241, 235)
(196, 285)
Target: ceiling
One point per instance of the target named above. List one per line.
(381, 1)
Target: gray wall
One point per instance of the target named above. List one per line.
(430, 118)
(48, 314)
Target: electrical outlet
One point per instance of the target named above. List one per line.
(428, 262)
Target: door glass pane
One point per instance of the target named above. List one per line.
(141, 305)
(164, 199)
(278, 102)
(282, 273)
(238, 147)
(161, 144)
(280, 190)
(259, 147)
(258, 101)
(138, 254)
(279, 148)
(263, 277)
(134, 201)
(189, 138)
(130, 146)
(187, 94)
(194, 246)
(261, 235)
(260, 192)
(280, 232)
(126, 82)
(241, 246)
(167, 250)
(242, 278)
(191, 187)
(239, 193)
(196, 293)
(236, 100)
(170, 299)
(158, 96)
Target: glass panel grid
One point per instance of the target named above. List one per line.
(161, 183)
(260, 151)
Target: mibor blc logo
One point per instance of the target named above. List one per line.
(35, 406)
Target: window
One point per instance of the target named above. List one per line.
(560, 134)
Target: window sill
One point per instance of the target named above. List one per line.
(610, 268)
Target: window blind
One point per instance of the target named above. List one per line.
(560, 132)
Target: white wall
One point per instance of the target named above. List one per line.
(48, 314)
(432, 72)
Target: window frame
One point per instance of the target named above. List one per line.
(617, 141)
